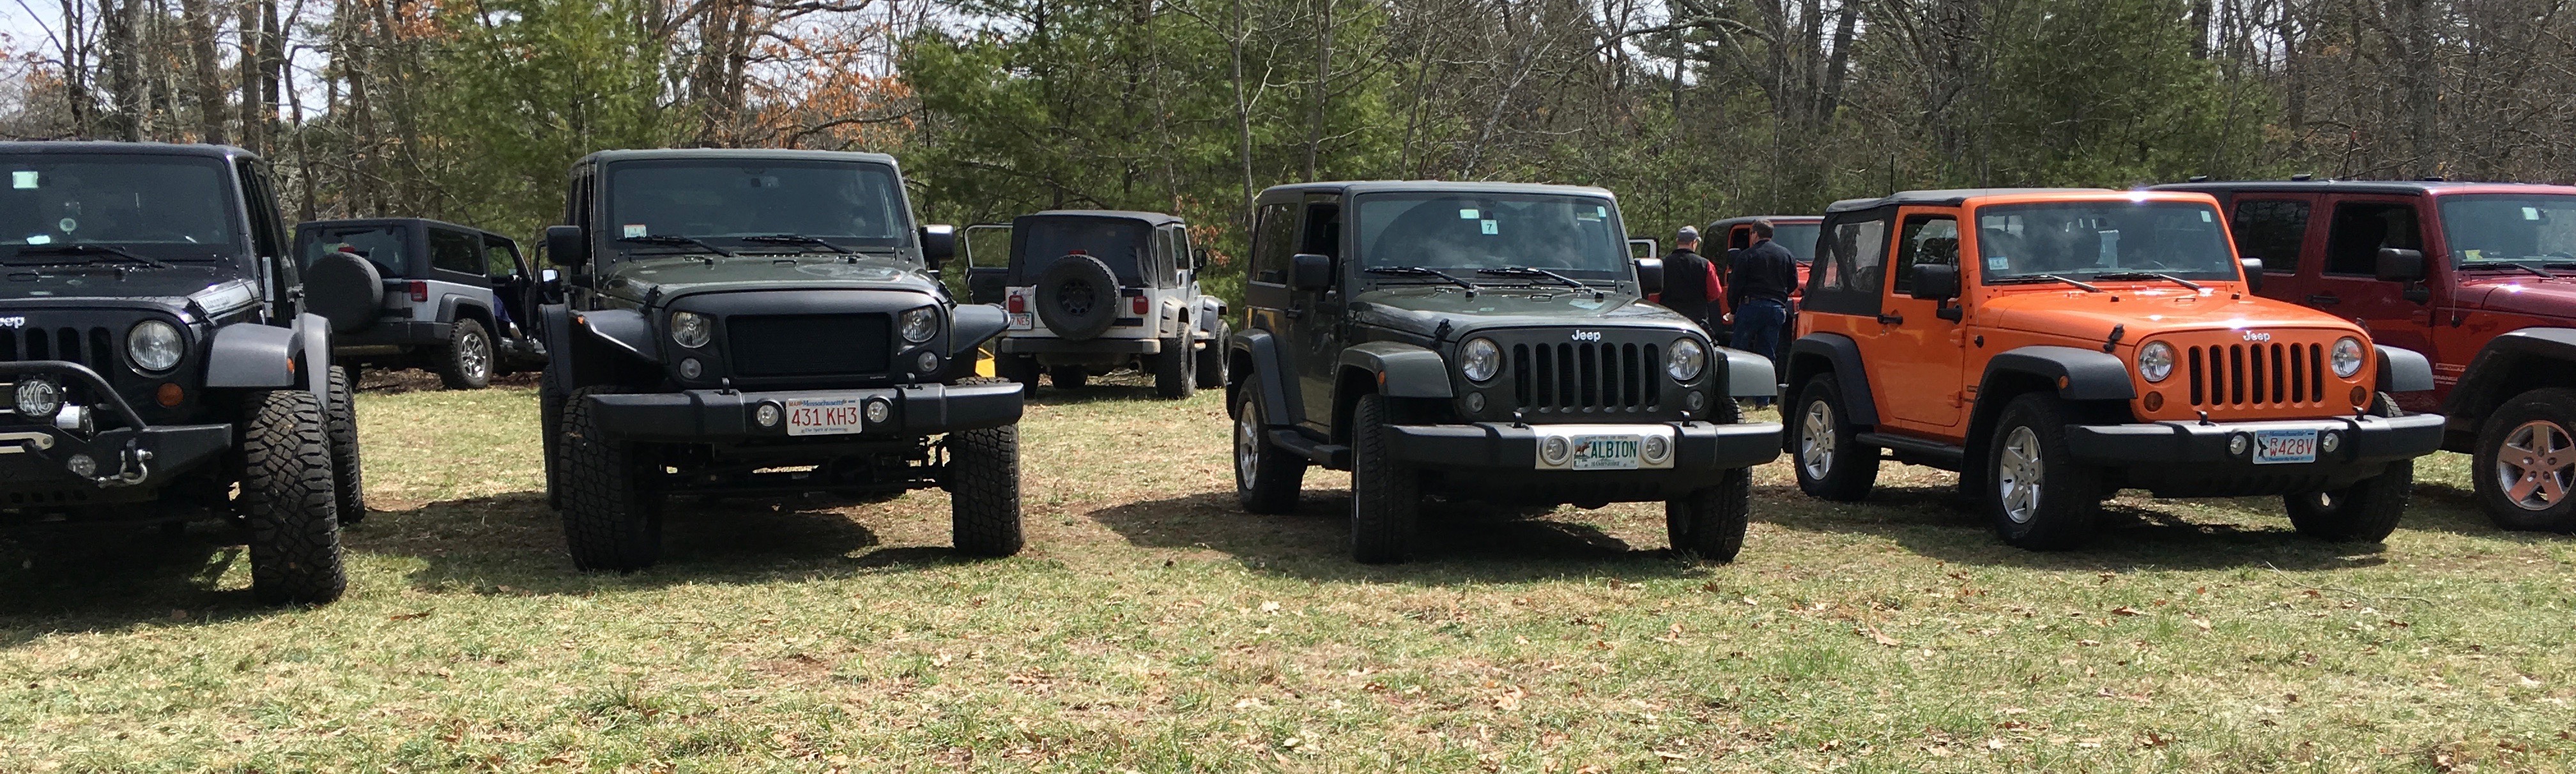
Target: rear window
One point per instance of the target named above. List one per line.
(1122, 244)
(380, 245)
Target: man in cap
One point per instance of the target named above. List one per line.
(1691, 286)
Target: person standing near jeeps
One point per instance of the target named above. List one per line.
(1759, 280)
(1692, 287)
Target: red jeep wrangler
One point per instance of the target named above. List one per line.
(2056, 346)
(2479, 277)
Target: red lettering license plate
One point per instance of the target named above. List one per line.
(823, 416)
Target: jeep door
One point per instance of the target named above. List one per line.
(1317, 333)
(2346, 282)
(1270, 304)
(1914, 354)
(512, 286)
(2276, 227)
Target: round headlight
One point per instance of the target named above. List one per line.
(153, 345)
(2347, 357)
(691, 330)
(1480, 359)
(2156, 361)
(1686, 360)
(920, 324)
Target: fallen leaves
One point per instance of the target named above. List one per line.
(1878, 636)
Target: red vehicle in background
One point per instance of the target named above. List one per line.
(2478, 277)
(1796, 232)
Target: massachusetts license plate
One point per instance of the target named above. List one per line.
(823, 416)
(2276, 447)
(1605, 452)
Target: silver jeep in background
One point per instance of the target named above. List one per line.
(419, 293)
(1093, 291)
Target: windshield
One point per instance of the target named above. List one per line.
(849, 204)
(1122, 244)
(1572, 234)
(2078, 240)
(381, 245)
(1800, 238)
(165, 207)
(2499, 229)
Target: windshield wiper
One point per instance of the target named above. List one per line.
(1527, 271)
(2028, 279)
(2508, 264)
(2130, 275)
(1417, 271)
(87, 248)
(673, 240)
(799, 239)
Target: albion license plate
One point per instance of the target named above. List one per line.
(822, 416)
(2276, 447)
(1605, 452)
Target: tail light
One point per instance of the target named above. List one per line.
(1138, 304)
(1019, 303)
(419, 291)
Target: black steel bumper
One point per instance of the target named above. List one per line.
(129, 462)
(394, 333)
(1500, 460)
(704, 416)
(1046, 346)
(2194, 459)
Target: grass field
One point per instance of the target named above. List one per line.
(1150, 626)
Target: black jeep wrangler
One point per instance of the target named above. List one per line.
(749, 322)
(418, 293)
(1481, 341)
(157, 365)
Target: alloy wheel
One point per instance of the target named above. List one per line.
(2537, 465)
(1816, 440)
(475, 355)
(2018, 475)
(1247, 447)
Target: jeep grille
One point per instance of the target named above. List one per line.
(2250, 375)
(1587, 377)
(809, 344)
(93, 347)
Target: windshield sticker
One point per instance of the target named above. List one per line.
(69, 225)
(26, 178)
(632, 230)
(40, 239)
(2530, 213)
(1998, 263)
(1469, 214)
(2473, 254)
(1592, 217)
(1600, 212)
(2204, 216)
(1488, 227)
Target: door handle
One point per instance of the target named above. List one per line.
(1890, 319)
(1296, 313)
(2324, 298)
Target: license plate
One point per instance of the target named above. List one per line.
(823, 416)
(1023, 321)
(1605, 452)
(2276, 447)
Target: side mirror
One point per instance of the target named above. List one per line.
(1934, 282)
(2253, 273)
(1650, 276)
(565, 246)
(2400, 265)
(938, 244)
(1308, 271)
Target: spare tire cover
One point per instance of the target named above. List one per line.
(1078, 297)
(345, 289)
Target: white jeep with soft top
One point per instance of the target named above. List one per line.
(1092, 291)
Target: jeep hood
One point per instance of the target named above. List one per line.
(99, 281)
(2520, 294)
(2142, 312)
(1420, 309)
(677, 275)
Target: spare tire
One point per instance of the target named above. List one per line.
(1078, 297)
(345, 289)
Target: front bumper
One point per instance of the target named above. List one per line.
(2192, 459)
(126, 463)
(704, 416)
(1500, 461)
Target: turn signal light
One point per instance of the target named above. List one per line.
(2155, 401)
(170, 395)
(419, 291)
(2360, 396)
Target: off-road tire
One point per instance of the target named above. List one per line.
(2549, 410)
(1019, 368)
(1172, 369)
(612, 519)
(2069, 492)
(1709, 523)
(1849, 468)
(1269, 481)
(289, 501)
(2365, 512)
(983, 483)
(1068, 377)
(466, 362)
(348, 479)
(1386, 494)
(1211, 369)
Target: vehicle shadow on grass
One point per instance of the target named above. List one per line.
(107, 577)
(1459, 542)
(1933, 522)
(1050, 395)
(512, 543)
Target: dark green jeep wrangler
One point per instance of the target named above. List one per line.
(1481, 341)
(762, 322)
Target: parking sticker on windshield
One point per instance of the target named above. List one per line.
(26, 178)
(1998, 263)
(1469, 214)
(1488, 227)
(632, 230)
(40, 239)
(2530, 213)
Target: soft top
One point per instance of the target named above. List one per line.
(103, 146)
(1438, 186)
(406, 222)
(2399, 187)
(1149, 218)
(1743, 219)
(1949, 196)
(781, 154)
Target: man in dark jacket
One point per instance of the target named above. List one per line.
(1760, 279)
(1691, 286)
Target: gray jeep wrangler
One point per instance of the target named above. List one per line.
(418, 293)
(1092, 291)
(154, 361)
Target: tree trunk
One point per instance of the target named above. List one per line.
(1323, 87)
(209, 85)
(125, 88)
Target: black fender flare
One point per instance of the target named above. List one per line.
(314, 334)
(1402, 370)
(1841, 356)
(455, 303)
(563, 364)
(1265, 381)
(622, 330)
(970, 325)
(1748, 375)
(2080, 374)
(1210, 312)
(2482, 387)
(254, 355)
(2403, 370)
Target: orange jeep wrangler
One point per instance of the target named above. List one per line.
(2055, 346)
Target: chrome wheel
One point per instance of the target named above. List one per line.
(2018, 475)
(474, 355)
(1816, 440)
(2536, 466)
(1247, 446)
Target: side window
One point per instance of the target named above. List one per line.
(1181, 248)
(1739, 237)
(501, 257)
(1323, 231)
(265, 226)
(1927, 239)
(1274, 238)
(2362, 228)
(1846, 276)
(2271, 229)
(451, 251)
